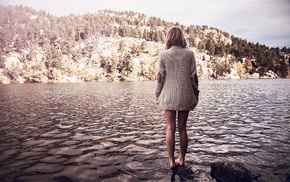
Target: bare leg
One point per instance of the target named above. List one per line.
(170, 136)
(183, 139)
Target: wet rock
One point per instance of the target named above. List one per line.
(182, 174)
(288, 178)
(63, 179)
(228, 172)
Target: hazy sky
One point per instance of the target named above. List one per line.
(263, 21)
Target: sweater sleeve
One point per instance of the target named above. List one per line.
(160, 77)
(194, 78)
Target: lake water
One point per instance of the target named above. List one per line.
(113, 131)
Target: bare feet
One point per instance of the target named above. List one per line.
(179, 162)
(172, 164)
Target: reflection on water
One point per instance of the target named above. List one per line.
(113, 132)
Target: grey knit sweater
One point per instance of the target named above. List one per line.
(175, 79)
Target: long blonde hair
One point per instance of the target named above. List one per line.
(175, 37)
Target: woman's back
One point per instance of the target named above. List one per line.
(177, 93)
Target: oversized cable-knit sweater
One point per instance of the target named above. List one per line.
(176, 79)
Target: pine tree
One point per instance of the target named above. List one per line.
(210, 47)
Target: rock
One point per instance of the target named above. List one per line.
(229, 172)
(270, 74)
(256, 75)
(71, 79)
(37, 79)
(4, 80)
(233, 74)
(13, 62)
(20, 79)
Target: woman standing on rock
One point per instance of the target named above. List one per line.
(177, 84)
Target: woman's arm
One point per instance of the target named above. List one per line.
(194, 78)
(160, 77)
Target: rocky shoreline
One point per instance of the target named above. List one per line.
(76, 79)
(136, 60)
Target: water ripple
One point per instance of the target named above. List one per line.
(113, 132)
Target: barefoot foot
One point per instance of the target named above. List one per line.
(179, 162)
(172, 165)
